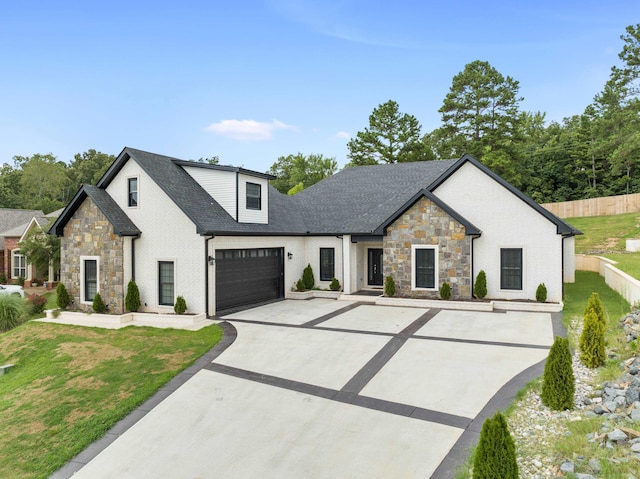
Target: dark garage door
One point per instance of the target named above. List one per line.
(248, 276)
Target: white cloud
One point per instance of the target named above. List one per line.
(248, 130)
(343, 135)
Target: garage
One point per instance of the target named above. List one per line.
(248, 276)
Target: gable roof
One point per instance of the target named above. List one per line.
(122, 224)
(10, 218)
(563, 228)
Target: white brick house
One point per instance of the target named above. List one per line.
(222, 237)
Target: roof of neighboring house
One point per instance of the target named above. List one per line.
(10, 218)
(122, 224)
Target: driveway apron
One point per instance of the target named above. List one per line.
(326, 388)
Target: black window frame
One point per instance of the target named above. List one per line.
(253, 201)
(90, 281)
(162, 301)
(511, 269)
(425, 271)
(132, 195)
(329, 265)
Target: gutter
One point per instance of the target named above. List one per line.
(206, 274)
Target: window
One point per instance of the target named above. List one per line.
(165, 283)
(425, 268)
(327, 264)
(511, 268)
(90, 279)
(133, 191)
(254, 196)
(18, 264)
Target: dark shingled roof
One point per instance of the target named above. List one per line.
(122, 224)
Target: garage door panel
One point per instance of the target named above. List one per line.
(248, 276)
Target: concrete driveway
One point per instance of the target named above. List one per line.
(326, 388)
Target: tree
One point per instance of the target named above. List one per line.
(44, 182)
(132, 300)
(592, 340)
(41, 248)
(495, 456)
(88, 167)
(558, 384)
(10, 191)
(293, 170)
(392, 137)
(212, 160)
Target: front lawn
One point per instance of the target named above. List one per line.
(71, 384)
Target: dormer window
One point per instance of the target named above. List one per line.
(254, 196)
(133, 192)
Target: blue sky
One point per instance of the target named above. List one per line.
(250, 81)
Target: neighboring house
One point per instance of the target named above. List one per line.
(12, 225)
(222, 237)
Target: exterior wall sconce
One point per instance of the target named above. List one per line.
(290, 255)
(211, 260)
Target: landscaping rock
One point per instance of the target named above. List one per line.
(568, 466)
(617, 436)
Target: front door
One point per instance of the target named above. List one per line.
(375, 267)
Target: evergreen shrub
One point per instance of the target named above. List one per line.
(558, 382)
(63, 300)
(307, 277)
(480, 288)
(335, 284)
(541, 293)
(132, 300)
(445, 290)
(595, 304)
(389, 286)
(98, 305)
(181, 305)
(592, 341)
(495, 456)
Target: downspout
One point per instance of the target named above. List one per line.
(342, 255)
(562, 255)
(133, 256)
(473, 293)
(206, 274)
(237, 197)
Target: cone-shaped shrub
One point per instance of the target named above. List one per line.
(181, 305)
(307, 277)
(98, 304)
(62, 294)
(335, 284)
(541, 293)
(445, 291)
(132, 300)
(480, 288)
(496, 453)
(558, 382)
(595, 305)
(11, 310)
(592, 341)
(300, 285)
(389, 286)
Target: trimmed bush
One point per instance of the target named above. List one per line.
(480, 288)
(98, 305)
(592, 341)
(37, 304)
(132, 300)
(335, 284)
(389, 286)
(595, 304)
(3, 278)
(11, 310)
(21, 280)
(300, 285)
(181, 305)
(307, 277)
(445, 290)
(541, 293)
(558, 382)
(496, 453)
(62, 294)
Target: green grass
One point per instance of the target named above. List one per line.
(71, 384)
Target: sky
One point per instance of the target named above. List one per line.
(250, 81)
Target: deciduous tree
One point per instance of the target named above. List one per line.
(293, 170)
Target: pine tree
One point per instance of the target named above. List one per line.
(132, 300)
(558, 384)
(595, 304)
(98, 304)
(181, 305)
(62, 294)
(495, 456)
(389, 286)
(592, 341)
(307, 277)
(480, 288)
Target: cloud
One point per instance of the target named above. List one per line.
(343, 135)
(248, 130)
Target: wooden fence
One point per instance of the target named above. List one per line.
(605, 205)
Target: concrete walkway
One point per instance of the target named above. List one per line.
(323, 388)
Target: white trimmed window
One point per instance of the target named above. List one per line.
(18, 264)
(166, 283)
(424, 273)
(254, 196)
(89, 278)
(132, 191)
(511, 268)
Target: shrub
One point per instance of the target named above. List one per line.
(21, 280)
(36, 304)
(480, 288)
(3, 278)
(445, 290)
(98, 305)
(592, 341)
(300, 285)
(541, 293)
(11, 310)
(307, 277)
(496, 453)
(595, 305)
(558, 382)
(335, 284)
(132, 300)
(181, 305)
(63, 296)
(389, 286)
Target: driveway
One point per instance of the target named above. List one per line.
(326, 388)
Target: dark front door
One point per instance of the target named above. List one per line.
(248, 276)
(375, 267)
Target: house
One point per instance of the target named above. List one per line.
(13, 223)
(222, 237)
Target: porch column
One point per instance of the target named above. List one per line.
(346, 264)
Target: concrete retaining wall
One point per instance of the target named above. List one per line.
(627, 286)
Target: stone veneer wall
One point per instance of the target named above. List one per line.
(427, 224)
(89, 233)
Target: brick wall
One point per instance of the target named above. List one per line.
(426, 224)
